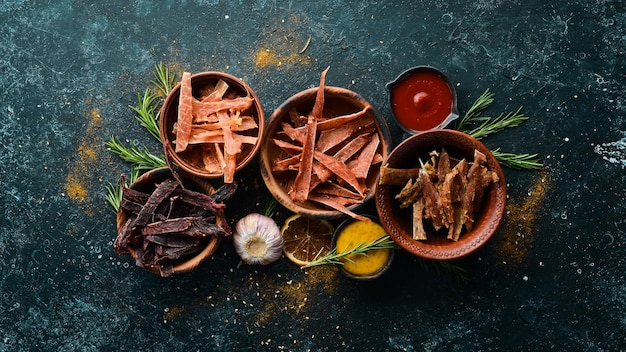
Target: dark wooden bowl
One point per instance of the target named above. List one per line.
(146, 183)
(169, 115)
(338, 101)
(398, 222)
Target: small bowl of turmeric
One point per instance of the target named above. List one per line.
(353, 234)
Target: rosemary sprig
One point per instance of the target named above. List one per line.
(518, 161)
(384, 242)
(115, 191)
(140, 157)
(146, 113)
(164, 81)
(473, 113)
(269, 208)
(479, 126)
(491, 126)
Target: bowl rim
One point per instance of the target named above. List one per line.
(469, 241)
(454, 113)
(276, 117)
(209, 249)
(379, 272)
(172, 97)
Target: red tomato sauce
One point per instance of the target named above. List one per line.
(421, 100)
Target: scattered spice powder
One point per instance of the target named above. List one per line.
(517, 233)
(294, 295)
(172, 313)
(280, 48)
(83, 165)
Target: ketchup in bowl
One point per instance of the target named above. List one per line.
(422, 98)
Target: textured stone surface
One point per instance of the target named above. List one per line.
(553, 275)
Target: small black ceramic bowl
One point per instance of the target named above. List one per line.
(422, 98)
(352, 232)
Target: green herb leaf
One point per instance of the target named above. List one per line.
(490, 125)
(518, 161)
(146, 113)
(164, 81)
(140, 157)
(384, 242)
(473, 114)
(115, 191)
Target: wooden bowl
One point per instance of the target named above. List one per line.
(147, 183)
(169, 115)
(338, 101)
(398, 222)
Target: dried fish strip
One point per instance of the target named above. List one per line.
(446, 196)
(326, 158)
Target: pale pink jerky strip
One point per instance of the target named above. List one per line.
(302, 183)
(185, 113)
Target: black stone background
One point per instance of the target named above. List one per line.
(63, 288)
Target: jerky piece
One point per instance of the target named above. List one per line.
(162, 191)
(166, 270)
(121, 241)
(168, 226)
(130, 206)
(224, 193)
(409, 194)
(165, 254)
(198, 199)
(418, 222)
(172, 240)
(473, 179)
(396, 177)
(432, 201)
(443, 167)
(136, 196)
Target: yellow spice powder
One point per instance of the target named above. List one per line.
(518, 228)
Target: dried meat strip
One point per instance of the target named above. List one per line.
(361, 165)
(418, 222)
(333, 203)
(162, 191)
(185, 113)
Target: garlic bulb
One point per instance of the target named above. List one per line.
(257, 239)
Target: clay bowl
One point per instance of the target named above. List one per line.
(189, 160)
(398, 222)
(146, 183)
(338, 101)
(355, 270)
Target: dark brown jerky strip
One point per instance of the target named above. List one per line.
(205, 228)
(162, 191)
(131, 206)
(189, 226)
(173, 240)
(166, 270)
(168, 226)
(135, 196)
(163, 253)
(224, 193)
(198, 199)
(121, 241)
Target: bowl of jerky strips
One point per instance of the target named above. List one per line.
(441, 195)
(169, 224)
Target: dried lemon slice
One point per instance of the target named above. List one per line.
(306, 238)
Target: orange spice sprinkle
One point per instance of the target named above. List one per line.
(518, 230)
